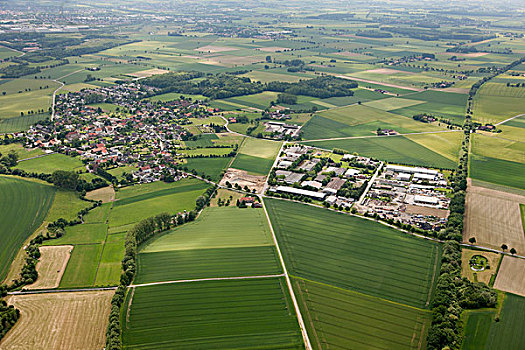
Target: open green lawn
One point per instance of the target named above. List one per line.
(394, 149)
(340, 319)
(50, 163)
(82, 266)
(23, 207)
(142, 201)
(209, 166)
(247, 314)
(354, 253)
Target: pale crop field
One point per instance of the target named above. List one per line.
(511, 276)
(494, 218)
(59, 321)
(51, 266)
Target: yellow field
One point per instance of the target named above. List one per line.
(104, 194)
(511, 276)
(494, 218)
(51, 266)
(58, 321)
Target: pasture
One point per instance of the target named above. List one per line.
(395, 149)
(354, 253)
(84, 313)
(342, 319)
(82, 267)
(247, 314)
(494, 218)
(23, 208)
(511, 276)
(50, 163)
(51, 266)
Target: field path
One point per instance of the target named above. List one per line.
(379, 83)
(509, 119)
(205, 279)
(57, 80)
(307, 344)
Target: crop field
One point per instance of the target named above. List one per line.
(511, 276)
(337, 249)
(394, 149)
(104, 194)
(446, 144)
(14, 104)
(360, 120)
(82, 234)
(494, 218)
(175, 265)
(222, 242)
(209, 166)
(247, 314)
(18, 124)
(139, 202)
(256, 156)
(507, 334)
(50, 163)
(498, 171)
(51, 266)
(42, 317)
(110, 266)
(341, 319)
(23, 209)
(477, 329)
(496, 102)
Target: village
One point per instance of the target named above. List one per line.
(143, 135)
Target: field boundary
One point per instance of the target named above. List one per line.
(205, 279)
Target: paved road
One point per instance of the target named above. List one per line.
(205, 279)
(60, 88)
(370, 183)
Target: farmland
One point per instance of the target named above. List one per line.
(85, 313)
(511, 276)
(27, 207)
(508, 332)
(338, 318)
(223, 314)
(256, 156)
(50, 163)
(51, 266)
(395, 149)
(335, 249)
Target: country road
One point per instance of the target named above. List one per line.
(57, 80)
(509, 119)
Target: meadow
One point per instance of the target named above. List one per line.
(50, 163)
(356, 254)
(212, 167)
(256, 156)
(247, 314)
(395, 149)
(22, 211)
(82, 267)
(341, 319)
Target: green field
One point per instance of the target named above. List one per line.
(247, 314)
(50, 163)
(142, 201)
(477, 329)
(209, 166)
(354, 253)
(340, 319)
(256, 156)
(394, 149)
(81, 234)
(222, 242)
(498, 171)
(23, 207)
(82, 266)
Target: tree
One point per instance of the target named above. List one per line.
(472, 240)
(269, 59)
(512, 251)
(504, 247)
(65, 179)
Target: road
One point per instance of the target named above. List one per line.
(509, 119)
(45, 291)
(306, 339)
(204, 279)
(60, 88)
(379, 83)
(370, 183)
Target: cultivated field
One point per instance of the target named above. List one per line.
(511, 276)
(256, 156)
(104, 194)
(51, 266)
(24, 206)
(247, 314)
(51, 163)
(60, 321)
(494, 218)
(339, 319)
(507, 334)
(354, 253)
